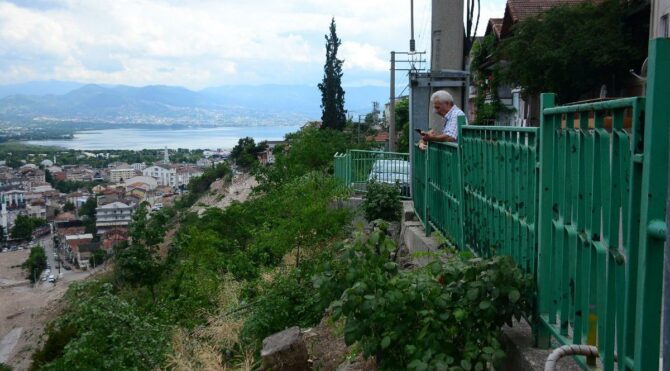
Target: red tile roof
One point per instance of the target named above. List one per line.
(518, 10)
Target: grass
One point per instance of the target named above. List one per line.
(19, 146)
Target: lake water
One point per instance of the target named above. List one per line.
(192, 138)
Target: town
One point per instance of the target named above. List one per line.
(93, 215)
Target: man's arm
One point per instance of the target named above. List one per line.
(432, 137)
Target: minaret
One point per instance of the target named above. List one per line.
(3, 218)
(166, 157)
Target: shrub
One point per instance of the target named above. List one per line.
(443, 316)
(382, 201)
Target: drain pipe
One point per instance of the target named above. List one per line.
(569, 350)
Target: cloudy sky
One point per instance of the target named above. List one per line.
(201, 43)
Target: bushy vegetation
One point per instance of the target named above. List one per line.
(35, 264)
(270, 245)
(245, 153)
(25, 225)
(231, 277)
(382, 201)
(445, 316)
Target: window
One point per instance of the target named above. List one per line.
(664, 26)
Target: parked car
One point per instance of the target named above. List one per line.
(392, 172)
(52, 278)
(66, 267)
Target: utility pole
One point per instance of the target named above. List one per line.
(392, 135)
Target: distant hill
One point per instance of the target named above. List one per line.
(159, 104)
(39, 88)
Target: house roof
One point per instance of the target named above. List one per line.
(519, 10)
(63, 217)
(114, 205)
(89, 247)
(495, 26)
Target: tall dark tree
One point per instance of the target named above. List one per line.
(332, 95)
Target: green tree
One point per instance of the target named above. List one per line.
(138, 263)
(402, 124)
(332, 95)
(113, 333)
(246, 151)
(35, 264)
(25, 225)
(573, 50)
(87, 213)
(69, 206)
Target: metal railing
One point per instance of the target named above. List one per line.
(357, 167)
(500, 177)
(579, 203)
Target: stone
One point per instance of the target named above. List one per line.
(285, 350)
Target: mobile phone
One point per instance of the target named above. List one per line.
(418, 131)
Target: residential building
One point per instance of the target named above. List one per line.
(164, 175)
(114, 237)
(72, 243)
(79, 174)
(119, 175)
(115, 214)
(85, 252)
(139, 166)
(172, 175)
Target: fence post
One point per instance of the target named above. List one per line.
(426, 208)
(461, 203)
(547, 132)
(652, 216)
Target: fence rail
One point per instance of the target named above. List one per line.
(579, 203)
(357, 167)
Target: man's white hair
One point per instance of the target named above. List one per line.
(442, 96)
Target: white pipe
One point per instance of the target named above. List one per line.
(569, 350)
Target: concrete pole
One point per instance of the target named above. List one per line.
(392, 134)
(446, 47)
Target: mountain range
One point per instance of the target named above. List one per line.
(160, 104)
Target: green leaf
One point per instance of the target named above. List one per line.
(472, 294)
(514, 296)
(466, 364)
(386, 341)
(485, 305)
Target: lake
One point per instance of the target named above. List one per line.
(191, 138)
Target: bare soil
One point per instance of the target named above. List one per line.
(24, 309)
(328, 352)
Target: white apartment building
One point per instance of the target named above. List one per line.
(172, 176)
(164, 175)
(115, 214)
(119, 175)
(139, 166)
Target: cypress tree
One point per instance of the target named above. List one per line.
(332, 95)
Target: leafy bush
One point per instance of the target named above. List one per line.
(443, 316)
(382, 201)
(111, 333)
(35, 264)
(573, 50)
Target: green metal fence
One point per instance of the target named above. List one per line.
(586, 234)
(419, 163)
(443, 207)
(357, 167)
(579, 203)
(500, 178)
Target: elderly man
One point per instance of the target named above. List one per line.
(443, 104)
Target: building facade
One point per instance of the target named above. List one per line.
(119, 175)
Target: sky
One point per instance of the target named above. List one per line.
(203, 43)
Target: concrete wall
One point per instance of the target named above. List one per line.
(659, 8)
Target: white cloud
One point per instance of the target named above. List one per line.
(201, 43)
